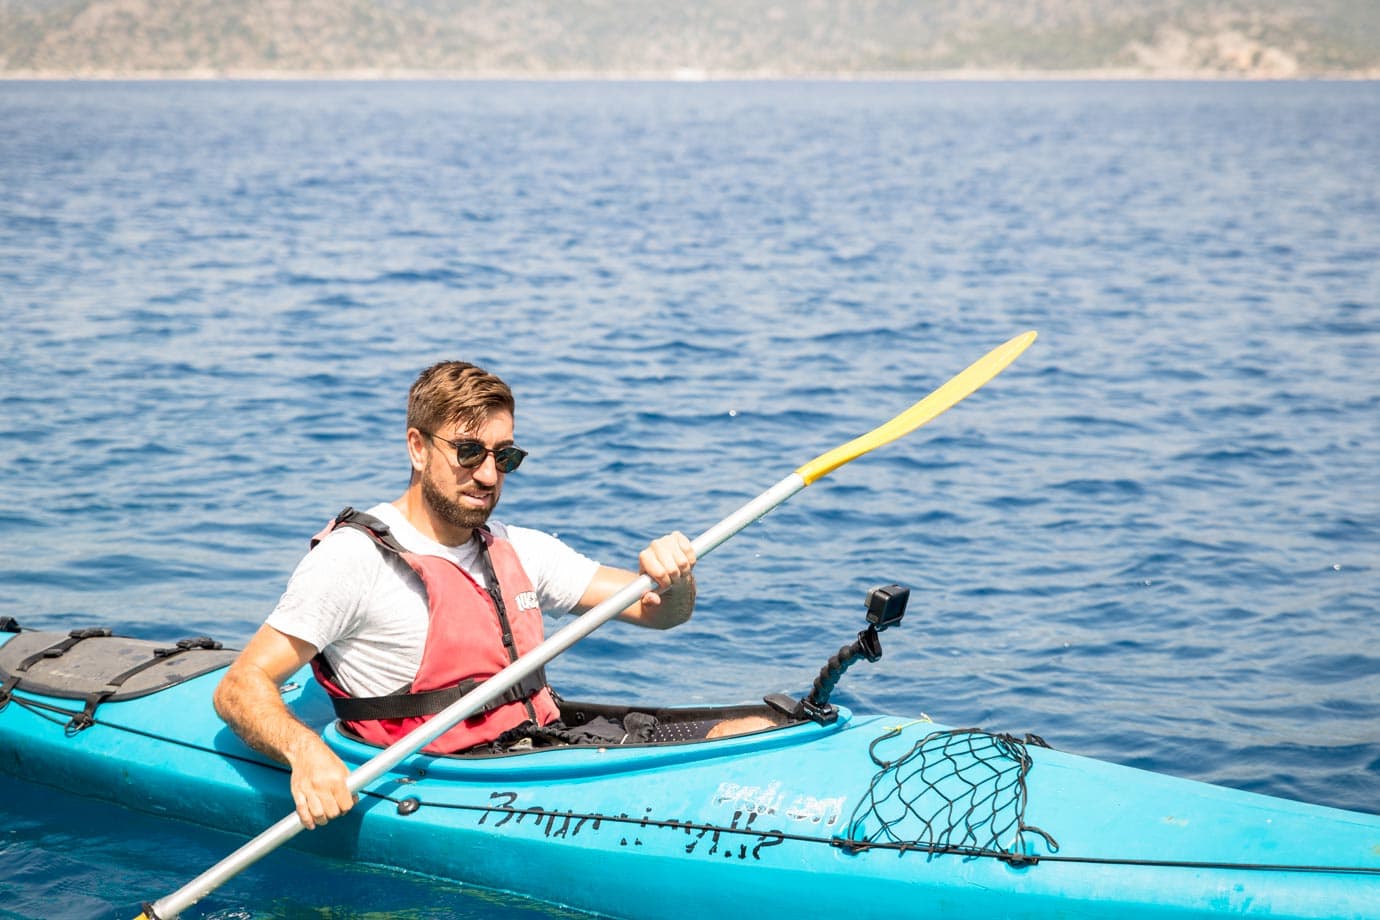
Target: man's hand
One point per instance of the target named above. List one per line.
(669, 561)
(318, 782)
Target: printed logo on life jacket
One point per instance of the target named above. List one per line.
(527, 600)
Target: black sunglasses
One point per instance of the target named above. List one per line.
(470, 453)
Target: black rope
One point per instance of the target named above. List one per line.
(87, 717)
(409, 804)
(61, 716)
(56, 650)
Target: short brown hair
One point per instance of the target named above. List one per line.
(455, 392)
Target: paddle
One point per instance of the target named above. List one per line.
(927, 409)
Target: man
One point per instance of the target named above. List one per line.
(401, 604)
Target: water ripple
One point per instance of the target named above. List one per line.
(217, 294)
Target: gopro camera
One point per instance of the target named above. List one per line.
(886, 605)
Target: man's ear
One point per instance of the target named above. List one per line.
(417, 447)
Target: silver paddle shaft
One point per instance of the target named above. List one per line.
(289, 826)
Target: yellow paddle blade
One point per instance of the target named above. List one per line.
(950, 394)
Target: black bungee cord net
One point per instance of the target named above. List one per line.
(959, 791)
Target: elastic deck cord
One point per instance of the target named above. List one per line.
(410, 804)
(572, 821)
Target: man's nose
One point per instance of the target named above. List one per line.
(487, 470)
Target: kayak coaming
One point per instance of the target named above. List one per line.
(752, 820)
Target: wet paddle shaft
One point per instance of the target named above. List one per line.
(927, 409)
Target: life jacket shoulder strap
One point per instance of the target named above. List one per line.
(381, 532)
(368, 523)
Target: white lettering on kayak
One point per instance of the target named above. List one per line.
(816, 811)
(770, 800)
(753, 799)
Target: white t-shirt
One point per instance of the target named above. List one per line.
(367, 608)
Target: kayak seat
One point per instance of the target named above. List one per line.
(674, 725)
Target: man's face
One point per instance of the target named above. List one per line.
(466, 497)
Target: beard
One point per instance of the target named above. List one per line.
(448, 509)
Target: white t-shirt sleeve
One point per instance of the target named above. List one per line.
(559, 573)
(322, 601)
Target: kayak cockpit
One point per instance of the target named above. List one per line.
(672, 735)
(681, 736)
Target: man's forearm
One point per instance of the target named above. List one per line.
(251, 704)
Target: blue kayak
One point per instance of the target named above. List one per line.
(828, 812)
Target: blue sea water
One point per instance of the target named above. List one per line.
(1155, 539)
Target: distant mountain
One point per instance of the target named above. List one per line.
(1252, 38)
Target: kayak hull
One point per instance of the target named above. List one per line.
(788, 822)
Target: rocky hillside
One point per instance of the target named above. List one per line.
(1255, 38)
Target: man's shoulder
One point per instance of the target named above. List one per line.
(346, 544)
(523, 537)
(548, 552)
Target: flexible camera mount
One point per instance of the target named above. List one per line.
(885, 607)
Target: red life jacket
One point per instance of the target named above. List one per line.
(472, 634)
